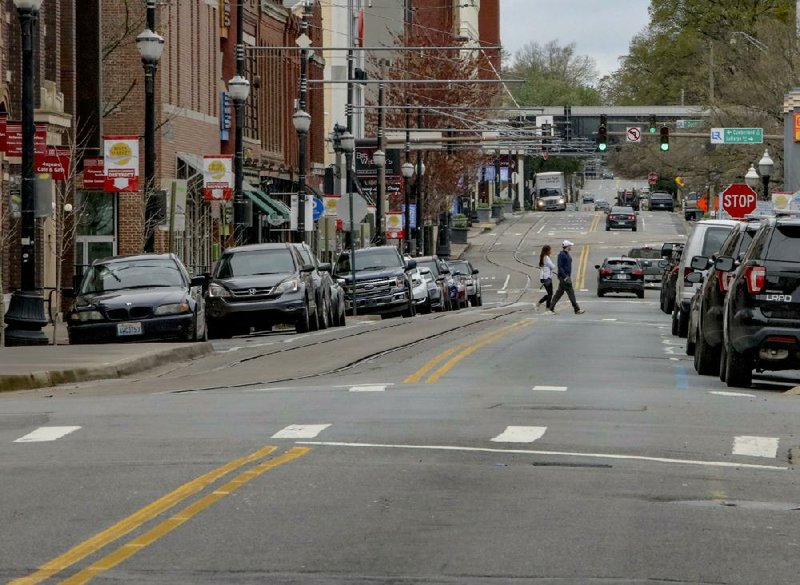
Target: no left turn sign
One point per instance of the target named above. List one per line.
(634, 134)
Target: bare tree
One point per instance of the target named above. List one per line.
(8, 232)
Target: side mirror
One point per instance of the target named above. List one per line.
(325, 267)
(198, 281)
(307, 268)
(647, 263)
(666, 250)
(700, 263)
(694, 277)
(597, 267)
(341, 281)
(475, 271)
(662, 264)
(445, 271)
(68, 293)
(724, 264)
(411, 264)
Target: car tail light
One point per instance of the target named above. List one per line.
(631, 217)
(606, 272)
(638, 272)
(725, 281)
(780, 339)
(756, 277)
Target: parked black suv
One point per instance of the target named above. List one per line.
(258, 286)
(761, 315)
(661, 200)
(382, 286)
(705, 321)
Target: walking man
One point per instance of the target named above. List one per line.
(565, 279)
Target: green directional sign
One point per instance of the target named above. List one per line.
(688, 123)
(737, 136)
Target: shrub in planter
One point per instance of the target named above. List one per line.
(459, 220)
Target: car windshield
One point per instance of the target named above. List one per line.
(373, 259)
(461, 267)
(549, 193)
(254, 262)
(622, 210)
(144, 273)
(648, 253)
(785, 244)
(660, 196)
(713, 239)
(431, 264)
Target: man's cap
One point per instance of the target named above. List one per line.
(566, 243)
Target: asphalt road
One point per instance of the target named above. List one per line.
(493, 445)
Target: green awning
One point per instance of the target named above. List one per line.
(267, 204)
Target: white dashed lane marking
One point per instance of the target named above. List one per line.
(300, 432)
(739, 394)
(755, 446)
(550, 388)
(369, 388)
(43, 434)
(520, 435)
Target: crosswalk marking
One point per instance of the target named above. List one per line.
(551, 388)
(739, 394)
(300, 432)
(369, 388)
(520, 434)
(755, 446)
(43, 434)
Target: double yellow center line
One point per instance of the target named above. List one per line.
(459, 352)
(583, 262)
(154, 509)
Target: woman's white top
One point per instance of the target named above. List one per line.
(547, 269)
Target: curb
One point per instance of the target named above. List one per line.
(48, 378)
(364, 318)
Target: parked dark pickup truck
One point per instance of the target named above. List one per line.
(661, 200)
(381, 286)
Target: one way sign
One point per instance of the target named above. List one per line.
(634, 134)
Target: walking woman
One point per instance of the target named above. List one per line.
(546, 266)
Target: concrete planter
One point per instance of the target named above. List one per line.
(458, 235)
(508, 206)
(484, 213)
(497, 211)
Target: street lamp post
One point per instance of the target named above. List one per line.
(347, 145)
(765, 166)
(302, 123)
(150, 45)
(408, 172)
(25, 316)
(420, 205)
(379, 158)
(239, 90)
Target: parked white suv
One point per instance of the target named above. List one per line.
(705, 240)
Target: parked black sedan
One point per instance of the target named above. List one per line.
(137, 298)
(620, 275)
(621, 217)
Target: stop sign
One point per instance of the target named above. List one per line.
(738, 200)
(652, 177)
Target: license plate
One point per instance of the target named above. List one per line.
(124, 329)
(622, 276)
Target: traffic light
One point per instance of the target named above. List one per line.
(653, 126)
(664, 138)
(602, 133)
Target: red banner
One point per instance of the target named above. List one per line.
(94, 174)
(14, 141)
(3, 122)
(55, 163)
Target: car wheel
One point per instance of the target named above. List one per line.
(608, 228)
(633, 229)
(601, 293)
(674, 323)
(342, 317)
(723, 362)
(640, 294)
(303, 325)
(738, 369)
(313, 319)
(706, 357)
(219, 331)
(683, 324)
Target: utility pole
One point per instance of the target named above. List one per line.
(380, 210)
(420, 194)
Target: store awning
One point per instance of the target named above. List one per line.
(267, 204)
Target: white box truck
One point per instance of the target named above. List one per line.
(550, 192)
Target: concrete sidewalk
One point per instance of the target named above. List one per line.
(25, 368)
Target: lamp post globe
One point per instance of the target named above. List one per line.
(422, 168)
(408, 170)
(28, 5)
(751, 178)
(150, 45)
(302, 121)
(765, 165)
(379, 158)
(238, 88)
(347, 142)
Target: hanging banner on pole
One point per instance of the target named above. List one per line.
(56, 163)
(94, 174)
(218, 177)
(121, 158)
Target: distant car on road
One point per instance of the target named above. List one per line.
(137, 298)
(620, 275)
(661, 200)
(671, 253)
(587, 198)
(621, 217)
(648, 257)
(690, 209)
(602, 205)
(471, 279)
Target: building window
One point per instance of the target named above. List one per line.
(251, 107)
